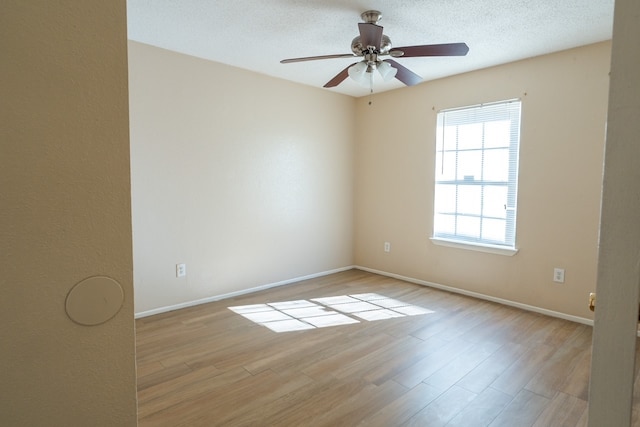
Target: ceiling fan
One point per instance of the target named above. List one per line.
(372, 44)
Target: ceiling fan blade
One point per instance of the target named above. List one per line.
(370, 34)
(404, 74)
(314, 58)
(340, 77)
(447, 49)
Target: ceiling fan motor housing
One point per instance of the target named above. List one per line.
(359, 49)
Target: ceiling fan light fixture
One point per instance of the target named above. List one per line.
(358, 72)
(387, 72)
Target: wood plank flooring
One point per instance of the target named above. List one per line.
(468, 363)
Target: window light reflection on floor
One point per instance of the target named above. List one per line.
(298, 315)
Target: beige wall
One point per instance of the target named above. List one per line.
(564, 104)
(65, 213)
(245, 178)
(249, 180)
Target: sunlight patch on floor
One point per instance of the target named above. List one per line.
(285, 316)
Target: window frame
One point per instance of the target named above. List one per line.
(510, 109)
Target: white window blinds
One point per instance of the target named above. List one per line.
(476, 179)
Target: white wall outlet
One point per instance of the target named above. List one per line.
(387, 247)
(181, 270)
(558, 275)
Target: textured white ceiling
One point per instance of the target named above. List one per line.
(257, 34)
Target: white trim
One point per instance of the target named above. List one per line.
(522, 306)
(527, 307)
(482, 104)
(237, 293)
(479, 247)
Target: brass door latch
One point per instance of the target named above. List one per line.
(592, 304)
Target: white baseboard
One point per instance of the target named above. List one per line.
(238, 293)
(510, 303)
(522, 306)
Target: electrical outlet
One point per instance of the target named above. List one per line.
(387, 247)
(558, 275)
(181, 270)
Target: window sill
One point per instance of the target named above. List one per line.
(473, 247)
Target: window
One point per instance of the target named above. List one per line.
(476, 179)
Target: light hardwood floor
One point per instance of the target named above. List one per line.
(468, 363)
